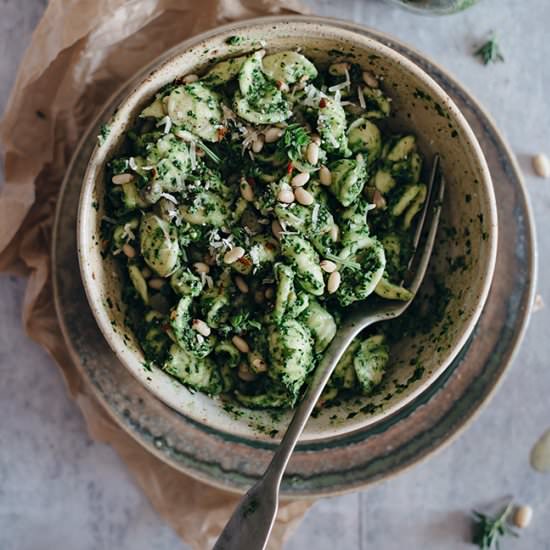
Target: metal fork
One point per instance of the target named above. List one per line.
(253, 519)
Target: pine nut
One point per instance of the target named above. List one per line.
(276, 229)
(258, 144)
(316, 138)
(245, 374)
(231, 256)
(257, 362)
(370, 80)
(201, 327)
(333, 282)
(378, 200)
(299, 179)
(156, 283)
(247, 192)
(304, 197)
(129, 250)
(328, 266)
(325, 177)
(338, 69)
(523, 516)
(335, 233)
(146, 272)
(313, 153)
(269, 292)
(241, 284)
(190, 78)
(541, 165)
(240, 344)
(201, 267)
(273, 134)
(285, 195)
(121, 179)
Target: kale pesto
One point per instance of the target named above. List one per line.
(248, 207)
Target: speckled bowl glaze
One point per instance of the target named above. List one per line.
(465, 253)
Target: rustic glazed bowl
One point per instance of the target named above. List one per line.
(465, 252)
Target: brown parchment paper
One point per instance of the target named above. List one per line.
(80, 53)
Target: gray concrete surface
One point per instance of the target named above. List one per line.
(58, 489)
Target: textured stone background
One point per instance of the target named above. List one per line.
(60, 490)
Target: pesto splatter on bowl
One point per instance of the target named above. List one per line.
(249, 192)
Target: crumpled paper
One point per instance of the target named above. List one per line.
(81, 52)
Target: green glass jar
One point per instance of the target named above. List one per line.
(440, 7)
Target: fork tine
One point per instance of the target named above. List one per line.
(419, 263)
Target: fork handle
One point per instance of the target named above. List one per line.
(253, 519)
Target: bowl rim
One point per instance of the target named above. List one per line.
(102, 151)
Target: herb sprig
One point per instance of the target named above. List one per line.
(488, 530)
(490, 51)
(293, 141)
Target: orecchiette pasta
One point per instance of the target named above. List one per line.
(249, 208)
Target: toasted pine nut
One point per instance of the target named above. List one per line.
(523, 516)
(276, 229)
(541, 165)
(146, 272)
(328, 266)
(273, 134)
(201, 327)
(245, 373)
(240, 344)
(129, 250)
(201, 267)
(190, 78)
(370, 80)
(338, 68)
(257, 362)
(313, 153)
(259, 297)
(233, 255)
(325, 177)
(304, 197)
(258, 144)
(285, 195)
(241, 284)
(121, 179)
(299, 179)
(269, 292)
(378, 199)
(156, 283)
(247, 192)
(335, 233)
(333, 282)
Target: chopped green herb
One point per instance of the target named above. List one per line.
(490, 51)
(104, 131)
(488, 530)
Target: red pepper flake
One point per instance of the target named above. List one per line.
(322, 103)
(270, 246)
(251, 181)
(244, 261)
(289, 168)
(221, 132)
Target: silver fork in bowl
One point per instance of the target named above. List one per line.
(251, 523)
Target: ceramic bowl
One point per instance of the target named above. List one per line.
(465, 252)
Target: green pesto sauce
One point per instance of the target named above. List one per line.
(190, 188)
